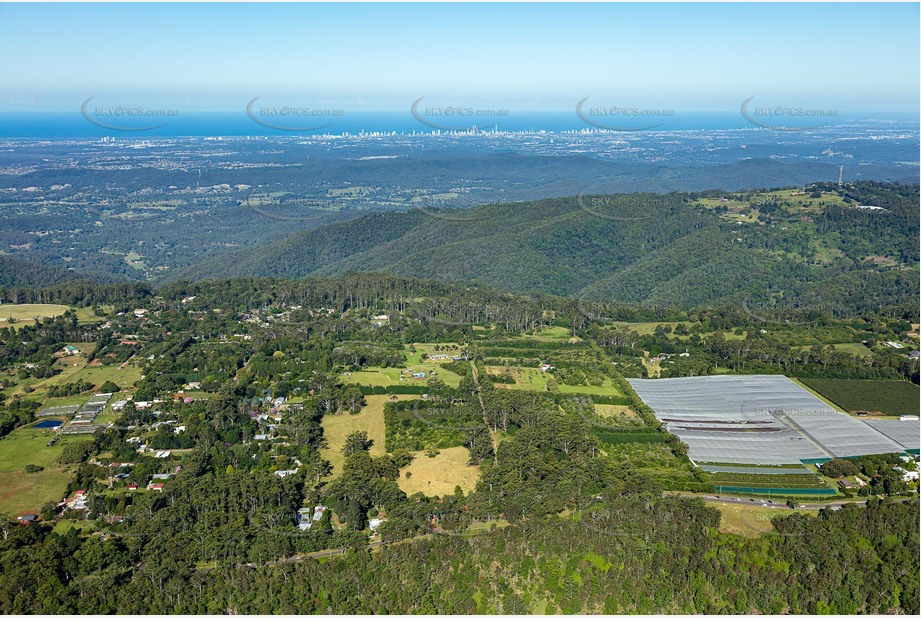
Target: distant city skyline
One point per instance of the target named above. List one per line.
(522, 57)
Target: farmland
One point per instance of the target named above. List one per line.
(75, 368)
(415, 364)
(371, 420)
(889, 398)
(439, 475)
(11, 314)
(20, 491)
(770, 483)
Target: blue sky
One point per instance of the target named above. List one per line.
(706, 57)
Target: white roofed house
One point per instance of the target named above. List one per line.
(304, 518)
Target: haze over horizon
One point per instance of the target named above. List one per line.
(545, 57)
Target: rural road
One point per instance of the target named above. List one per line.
(774, 504)
(492, 434)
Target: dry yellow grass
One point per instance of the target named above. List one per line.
(371, 419)
(438, 476)
(750, 521)
(611, 411)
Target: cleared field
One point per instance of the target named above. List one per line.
(610, 411)
(647, 328)
(608, 388)
(123, 377)
(371, 419)
(390, 376)
(74, 368)
(750, 521)
(526, 378)
(553, 333)
(857, 349)
(25, 313)
(889, 397)
(28, 492)
(652, 365)
(451, 349)
(439, 475)
(533, 379)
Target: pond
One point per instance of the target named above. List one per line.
(50, 424)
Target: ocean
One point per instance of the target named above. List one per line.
(204, 124)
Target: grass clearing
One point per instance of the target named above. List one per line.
(608, 388)
(652, 365)
(526, 378)
(750, 521)
(390, 376)
(371, 419)
(28, 492)
(647, 328)
(610, 411)
(74, 368)
(439, 475)
(123, 377)
(553, 333)
(24, 314)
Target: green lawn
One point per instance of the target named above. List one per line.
(25, 313)
(553, 333)
(125, 378)
(390, 376)
(533, 379)
(74, 368)
(526, 378)
(647, 328)
(28, 492)
(857, 349)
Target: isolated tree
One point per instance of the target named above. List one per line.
(356, 442)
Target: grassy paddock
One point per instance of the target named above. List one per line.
(390, 376)
(750, 521)
(23, 314)
(610, 411)
(371, 419)
(28, 492)
(438, 476)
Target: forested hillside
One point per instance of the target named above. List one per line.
(848, 250)
(665, 558)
